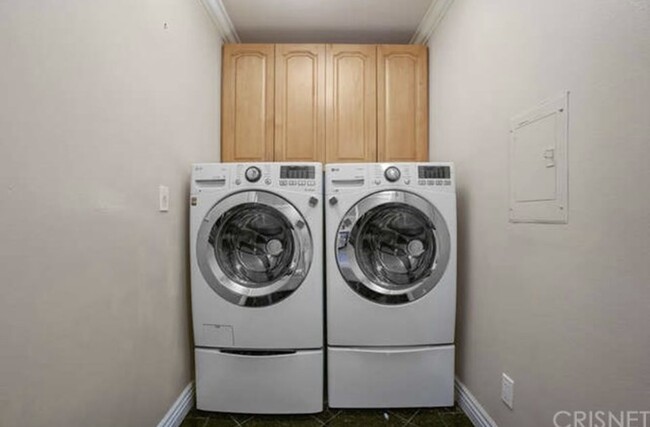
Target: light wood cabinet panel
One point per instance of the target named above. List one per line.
(299, 102)
(327, 103)
(247, 103)
(402, 86)
(351, 103)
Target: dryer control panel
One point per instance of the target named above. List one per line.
(423, 176)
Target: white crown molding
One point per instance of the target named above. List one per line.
(430, 21)
(474, 411)
(179, 409)
(221, 20)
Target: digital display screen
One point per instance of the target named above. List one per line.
(297, 172)
(434, 172)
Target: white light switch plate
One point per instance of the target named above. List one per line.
(507, 391)
(163, 198)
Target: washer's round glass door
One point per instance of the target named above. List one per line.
(254, 248)
(392, 247)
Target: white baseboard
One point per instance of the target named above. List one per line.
(474, 411)
(176, 414)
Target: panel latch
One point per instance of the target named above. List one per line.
(549, 155)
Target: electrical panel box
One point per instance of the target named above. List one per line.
(539, 163)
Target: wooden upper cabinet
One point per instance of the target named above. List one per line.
(351, 103)
(247, 103)
(325, 103)
(402, 89)
(299, 102)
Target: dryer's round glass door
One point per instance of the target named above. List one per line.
(254, 248)
(392, 247)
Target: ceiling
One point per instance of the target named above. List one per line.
(320, 21)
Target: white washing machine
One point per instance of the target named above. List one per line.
(391, 284)
(257, 286)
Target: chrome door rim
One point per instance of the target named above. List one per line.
(383, 293)
(245, 294)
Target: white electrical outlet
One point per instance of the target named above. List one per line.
(507, 391)
(163, 198)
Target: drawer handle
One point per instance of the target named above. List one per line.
(258, 352)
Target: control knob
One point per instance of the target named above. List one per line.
(392, 174)
(253, 174)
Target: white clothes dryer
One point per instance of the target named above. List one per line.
(391, 284)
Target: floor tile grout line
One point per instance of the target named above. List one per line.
(234, 419)
(336, 414)
(417, 411)
(395, 414)
(318, 420)
(408, 422)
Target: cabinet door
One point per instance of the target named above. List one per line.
(247, 103)
(299, 102)
(351, 103)
(402, 117)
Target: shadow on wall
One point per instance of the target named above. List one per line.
(463, 256)
(188, 272)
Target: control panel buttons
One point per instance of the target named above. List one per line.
(407, 181)
(377, 182)
(283, 183)
(237, 181)
(392, 174)
(267, 181)
(422, 182)
(253, 174)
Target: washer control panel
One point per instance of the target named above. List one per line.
(427, 176)
(294, 177)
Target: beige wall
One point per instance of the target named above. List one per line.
(99, 104)
(563, 309)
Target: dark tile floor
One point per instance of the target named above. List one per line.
(439, 417)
